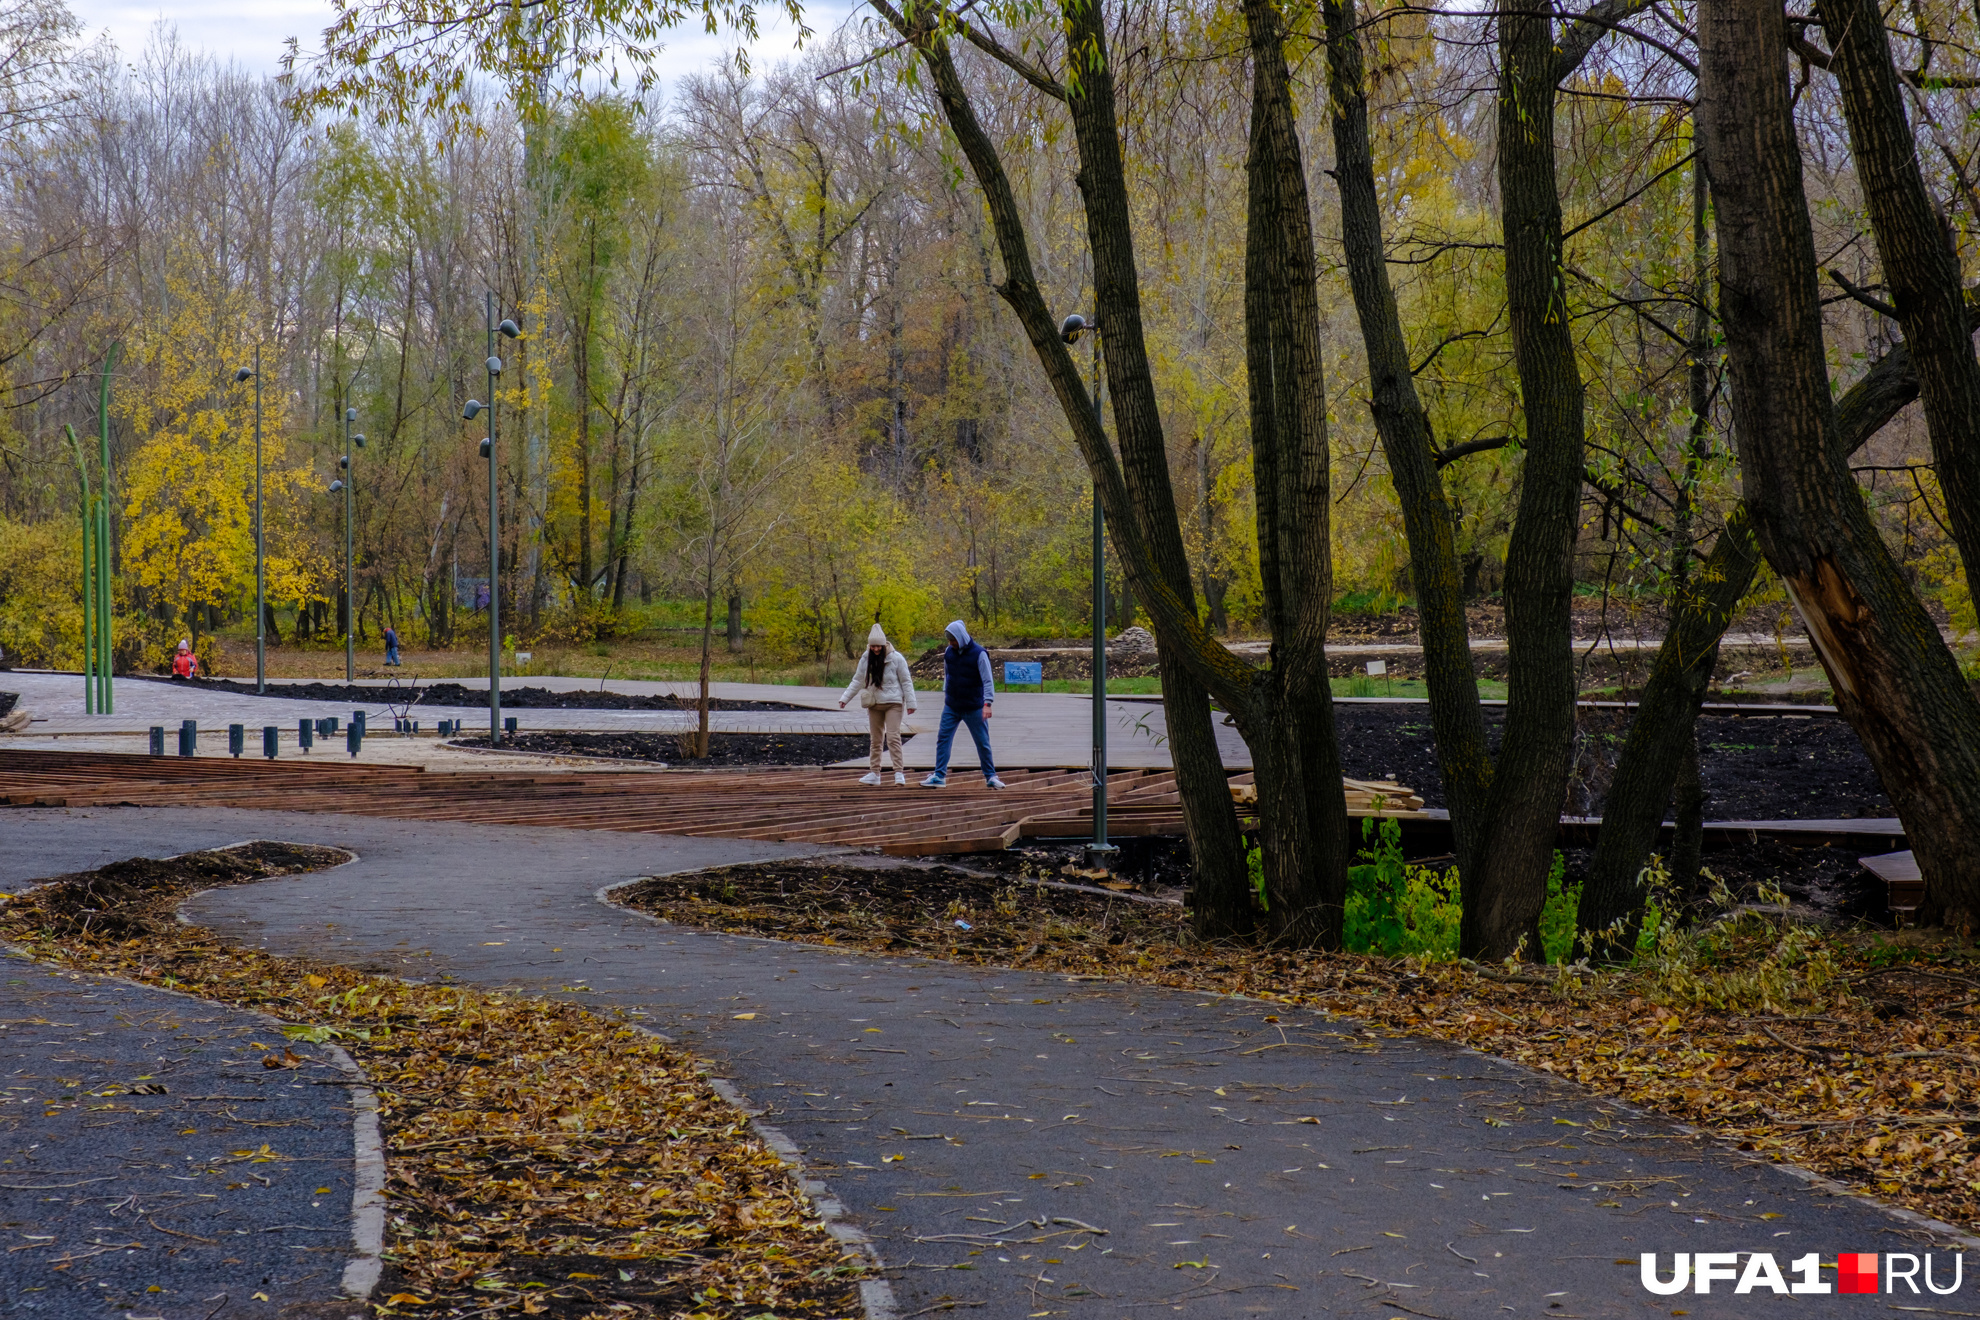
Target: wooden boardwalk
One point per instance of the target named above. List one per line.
(791, 805)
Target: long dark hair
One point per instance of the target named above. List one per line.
(876, 667)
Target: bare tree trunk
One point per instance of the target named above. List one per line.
(1133, 504)
(1920, 265)
(1652, 759)
(1505, 880)
(707, 643)
(1894, 678)
(1666, 715)
(1202, 784)
(735, 632)
(1290, 457)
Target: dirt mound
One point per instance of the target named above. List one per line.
(724, 749)
(128, 899)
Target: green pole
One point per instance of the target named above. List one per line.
(106, 701)
(88, 582)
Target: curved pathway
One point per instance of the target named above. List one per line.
(150, 1166)
(1242, 1160)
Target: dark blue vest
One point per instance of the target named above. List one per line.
(962, 677)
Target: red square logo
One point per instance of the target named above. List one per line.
(1856, 1272)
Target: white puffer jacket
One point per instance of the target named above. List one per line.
(896, 686)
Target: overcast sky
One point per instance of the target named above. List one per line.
(252, 33)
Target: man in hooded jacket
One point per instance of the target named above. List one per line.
(967, 695)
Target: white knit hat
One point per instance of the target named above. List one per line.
(878, 637)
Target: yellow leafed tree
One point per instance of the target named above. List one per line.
(189, 486)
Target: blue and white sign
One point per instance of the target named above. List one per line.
(1024, 671)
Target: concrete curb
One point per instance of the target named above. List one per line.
(367, 1183)
(876, 1294)
(367, 1141)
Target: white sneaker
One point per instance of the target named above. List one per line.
(935, 781)
(870, 777)
(994, 782)
(900, 779)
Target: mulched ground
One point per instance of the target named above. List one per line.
(541, 1160)
(1754, 767)
(724, 749)
(454, 694)
(1850, 1052)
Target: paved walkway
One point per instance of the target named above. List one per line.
(1029, 730)
(1239, 1165)
(149, 1166)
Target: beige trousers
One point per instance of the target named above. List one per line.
(883, 727)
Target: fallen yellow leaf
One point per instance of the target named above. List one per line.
(745, 1017)
(396, 1299)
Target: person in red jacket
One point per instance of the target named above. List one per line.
(185, 664)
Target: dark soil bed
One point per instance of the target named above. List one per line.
(125, 900)
(1755, 767)
(945, 911)
(665, 748)
(454, 694)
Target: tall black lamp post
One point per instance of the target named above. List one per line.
(260, 549)
(1099, 851)
(346, 485)
(474, 407)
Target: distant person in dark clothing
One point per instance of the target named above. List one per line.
(967, 695)
(391, 645)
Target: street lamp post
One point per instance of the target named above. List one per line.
(260, 548)
(510, 330)
(1099, 852)
(106, 702)
(347, 485)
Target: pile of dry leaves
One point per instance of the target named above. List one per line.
(1854, 1053)
(541, 1160)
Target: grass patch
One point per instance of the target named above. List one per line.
(1364, 685)
(1148, 685)
(541, 1159)
(1852, 1052)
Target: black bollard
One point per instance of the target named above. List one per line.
(271, 741)
(236, 740)
(158, 740)
(188, 737)
(354, 737)
(305, 734)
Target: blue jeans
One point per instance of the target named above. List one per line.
(391, 655)
(979, 731)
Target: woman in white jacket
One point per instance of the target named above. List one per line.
(886, 688)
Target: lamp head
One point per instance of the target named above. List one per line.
(510, 329)
(486, 450)
(494, 365)
(358, 440)
(1073, 327)
(243, 374)
(472, 411)
(344, 462)
(336, 486)
(350, 414)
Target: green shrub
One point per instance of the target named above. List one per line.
(1395, 908)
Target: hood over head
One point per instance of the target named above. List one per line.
(958, 633)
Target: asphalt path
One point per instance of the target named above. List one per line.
(150, 1166)
(1242, 1159)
